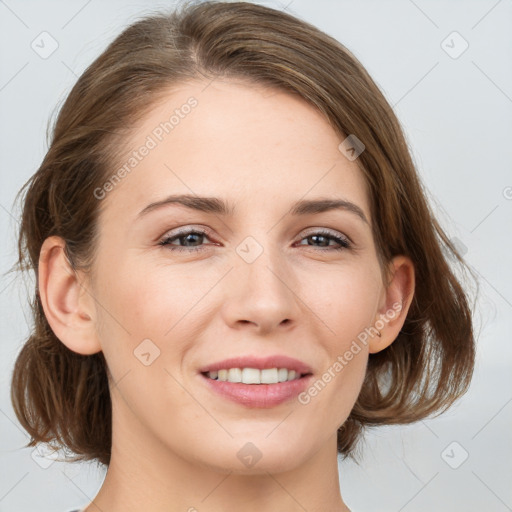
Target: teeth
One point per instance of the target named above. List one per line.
(254, 375)
(251, 376)
(234, 375)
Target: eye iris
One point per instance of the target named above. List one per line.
(316, 237)
(187, 237)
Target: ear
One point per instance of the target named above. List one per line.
(395, 303)
(68, 306)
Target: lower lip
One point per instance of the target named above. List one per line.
(259, 395)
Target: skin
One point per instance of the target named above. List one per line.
(175, 443)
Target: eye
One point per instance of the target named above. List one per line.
(188, 236)
(196, 236)
(325, 237)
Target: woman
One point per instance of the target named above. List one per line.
(237, 268)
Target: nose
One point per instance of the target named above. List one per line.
(261, 295)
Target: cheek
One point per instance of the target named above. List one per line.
(346, 304)
(157, 303)
(345, 299)
(143, 298)
(139, 340)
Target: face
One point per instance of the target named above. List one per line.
(181, 288)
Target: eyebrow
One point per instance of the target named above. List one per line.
(221, 207)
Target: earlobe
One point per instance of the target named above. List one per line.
(66, 304)
(397, 300)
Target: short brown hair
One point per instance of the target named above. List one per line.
(59, 395)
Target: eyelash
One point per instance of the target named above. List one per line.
(166, 241)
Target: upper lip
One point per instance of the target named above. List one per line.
(275, 361)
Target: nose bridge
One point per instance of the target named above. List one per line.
(263, 286)
(267, 273)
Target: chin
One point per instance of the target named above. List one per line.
(254, 455)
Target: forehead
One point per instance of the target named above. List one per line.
(253, 146)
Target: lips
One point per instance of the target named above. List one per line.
(258, 395)
(261, 363)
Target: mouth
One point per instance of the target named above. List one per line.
(255, 381)
(255, 376)
(246, 369)
(256, 388)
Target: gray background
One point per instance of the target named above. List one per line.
(457, 114)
